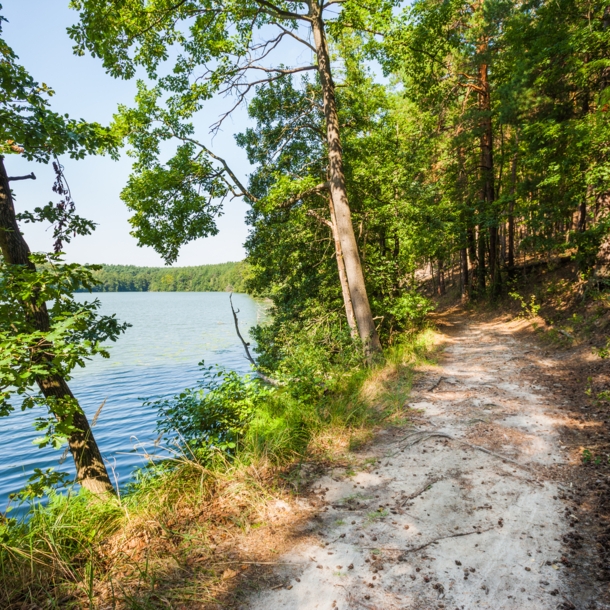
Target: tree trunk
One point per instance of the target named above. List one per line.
(441, 277)
(487, 169)
(481, 257)
(511, 217)
(464, 273)
(472, 254)
(90, 468)
(582, 216)
(353, 268)
(347, 299)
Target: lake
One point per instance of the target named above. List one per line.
(157, 356)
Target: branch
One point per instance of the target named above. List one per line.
(319, 218)
(314, 190)
(244, 191)
(28, 177)
(278, 73)
(301, 40)
(266, 379)
(276, 11)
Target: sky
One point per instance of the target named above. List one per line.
(36, 30)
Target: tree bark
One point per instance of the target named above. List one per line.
(511, 217)
(481, 256)
(90, 468)
(347, 299)
(353, 267)
(487, 168)
(441, 277)
(464, 273)
(472, 255)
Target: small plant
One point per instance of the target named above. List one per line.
(603, 352)
(376, 514)
(528, 310)
(587, 456)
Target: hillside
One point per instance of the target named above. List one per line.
(223, 277)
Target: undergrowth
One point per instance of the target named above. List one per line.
(241, 445)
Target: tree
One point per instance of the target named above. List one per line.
(42, 344)
(218, 47)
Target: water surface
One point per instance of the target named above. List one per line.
(157, 356)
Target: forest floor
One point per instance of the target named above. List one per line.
(483, 500)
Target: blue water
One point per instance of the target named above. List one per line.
(157, 356)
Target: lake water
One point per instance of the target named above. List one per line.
(157, 356)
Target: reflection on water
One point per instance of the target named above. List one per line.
(157, 356)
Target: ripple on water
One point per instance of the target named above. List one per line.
(158, 356)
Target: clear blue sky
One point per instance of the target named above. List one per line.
(36, 30)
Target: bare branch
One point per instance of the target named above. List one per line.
(28, 177)
(244, 191)
(301, 40)
(264, 377)
(247, 86)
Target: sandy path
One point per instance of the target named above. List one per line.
(497, 524)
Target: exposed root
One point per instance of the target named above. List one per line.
(424, 435)
(427, 486)
(440, 379)
(427, 544)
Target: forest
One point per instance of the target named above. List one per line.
(405, 160)
(223, 277)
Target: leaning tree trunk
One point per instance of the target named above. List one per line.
(353, 267)
(90, 468)
(347, 299)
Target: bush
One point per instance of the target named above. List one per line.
(214, 415)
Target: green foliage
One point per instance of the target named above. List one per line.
(76, 333)
(528, 310)
(204, 278)
(214, 416)
(30, 128)
(41, 483)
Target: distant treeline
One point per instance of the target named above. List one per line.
(204, 278)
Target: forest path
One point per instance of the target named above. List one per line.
(496, 523)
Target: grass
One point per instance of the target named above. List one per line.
(173, 539)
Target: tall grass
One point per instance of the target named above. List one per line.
(155, 542)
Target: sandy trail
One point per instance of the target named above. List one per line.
(497, 524)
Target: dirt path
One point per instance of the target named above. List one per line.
(438, 523)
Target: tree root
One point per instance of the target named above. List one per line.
(427, 486)
(423, 435)
(427, 544)
(436, 384)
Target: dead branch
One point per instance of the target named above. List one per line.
(427, 544)
(28, 177)
(423, 546)
(264, 377)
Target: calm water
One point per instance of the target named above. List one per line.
(157, 356)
